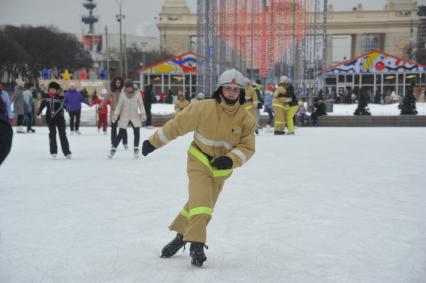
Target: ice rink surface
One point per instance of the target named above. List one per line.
(326, 205)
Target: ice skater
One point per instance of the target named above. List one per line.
(54, 104)
(224, 139)
(102, 112)
(73, 100)
(131, 111)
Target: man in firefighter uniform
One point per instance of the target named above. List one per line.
(251, 98)
(285, 105)
(223, 140)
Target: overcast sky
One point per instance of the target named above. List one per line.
(66, 14)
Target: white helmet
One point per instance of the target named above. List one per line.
(231, 78)
(200, 95)
(248, 81)
(104, 91)
(284, 80)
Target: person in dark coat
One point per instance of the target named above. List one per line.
(320, 109)
(19, 106)
(147, 102)
(6, 132)
(54, 105)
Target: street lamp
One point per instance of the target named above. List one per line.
(120, 17)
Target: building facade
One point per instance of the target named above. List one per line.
(393, 29)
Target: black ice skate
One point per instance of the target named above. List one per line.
(173, 247)
(279, 133)
(136, 153)
(112, 152)
(196, 251)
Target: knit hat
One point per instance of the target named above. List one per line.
(128, 83)
(54, 85)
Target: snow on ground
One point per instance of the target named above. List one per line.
(325, 205)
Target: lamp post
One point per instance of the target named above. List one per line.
(120, 17)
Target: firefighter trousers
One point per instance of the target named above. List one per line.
(280, 116)
(290, 118)
(204, 187)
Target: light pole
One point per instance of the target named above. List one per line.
(120, 17)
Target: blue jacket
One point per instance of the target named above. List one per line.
(6, 100)
(73, 100)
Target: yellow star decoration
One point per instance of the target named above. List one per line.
(66, 75)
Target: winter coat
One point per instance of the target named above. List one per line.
(54, 107)
(6, 101)
(148, 96)
(320, 108)
(130, 108)
(219, 129)
(290, 94)
(101, 110)
(112, 99)
(259, 94)
(268, 99)
(73, 100)
(251, 98)
(181, 104)
(28, 99)
(19, 106)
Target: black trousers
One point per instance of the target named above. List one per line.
(58, 122)
(122, 132)
(114, 127)
(20, 120)
(6, 135)
(148, 115)
(75, 115)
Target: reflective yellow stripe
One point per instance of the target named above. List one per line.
(200, 156)
(278, 105)
(249, 107)
(279, 122)
(184, 213)
(200, 210)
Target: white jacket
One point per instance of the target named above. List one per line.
(130, 108)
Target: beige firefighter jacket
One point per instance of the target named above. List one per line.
(181, 104)
(219, 129)
(279, 96)
(130, 108)
(251, 98)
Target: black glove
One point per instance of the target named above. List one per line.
(222, 162)
(147, 148)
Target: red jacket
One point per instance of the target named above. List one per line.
(103, 110)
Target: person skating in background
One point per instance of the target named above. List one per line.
(6, 101)
(292, 104)
(148, 98)
(102, 112)
(258, 87)
(73, 100)
(54, 105)
(131, 111)
(181, 103)
(267, 102)
(223, 140)
(19, 106)
(320, 109)
(250, 99)
(29, 101)
(6, 119)
(114, 94)
(280, 105)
